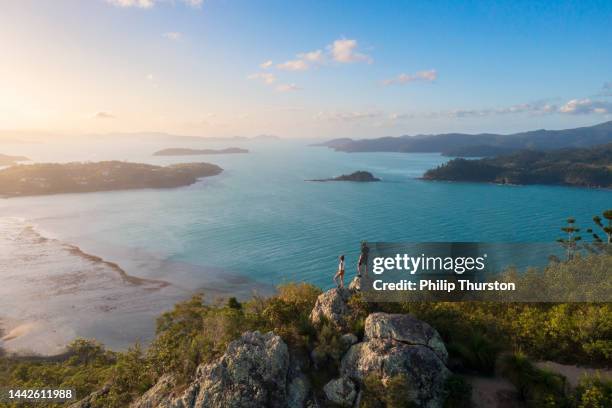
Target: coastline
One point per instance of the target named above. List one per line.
(65, 292)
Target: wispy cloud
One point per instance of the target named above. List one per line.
(265, 77)
(147, 4)
(351, 116)
(341, 50)
(315, 57)
(293, 65)
(586, 106)
(287, 88)
(103, 115)
(422, 76)
(345, 51)
(173, 35)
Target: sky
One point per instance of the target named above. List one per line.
(318, 69)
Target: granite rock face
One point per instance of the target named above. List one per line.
(401, 345)
(341, 391)
(251, 374)
(406, 329)
(333, 307)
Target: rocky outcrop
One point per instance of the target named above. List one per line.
(341, 391)
(251, 374)
(400, 345)
(355, 285)
(257, 370)
(87, 402)
(406, 329)
(332, 306)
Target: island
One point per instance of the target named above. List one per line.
(479, 145)
(590, 167)
(194, 152)
(358, 176)
(6, 160)
(54, 178)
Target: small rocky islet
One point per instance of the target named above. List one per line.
(357, 176)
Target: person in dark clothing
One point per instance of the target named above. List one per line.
(362, 264)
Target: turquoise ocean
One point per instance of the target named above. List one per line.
(258, 224)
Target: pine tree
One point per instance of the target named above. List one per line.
(607, 229)
(570, 243)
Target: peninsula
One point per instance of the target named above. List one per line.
(479, 145)
(54, 178)
(6, 160)
(590, 167)
(194, 152)
(358, 176)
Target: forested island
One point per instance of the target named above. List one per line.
(479, 145)
(54, 178)
(6, 160)
(194, 152)
(358, 176)
(590, 167)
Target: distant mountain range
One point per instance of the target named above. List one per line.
(177, 151)
(584, 167)
(477, 145)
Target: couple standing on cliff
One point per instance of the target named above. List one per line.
(362, 264)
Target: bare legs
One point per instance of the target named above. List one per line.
(339, 279)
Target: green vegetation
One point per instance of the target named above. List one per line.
(358, 176)
(53, 178)
(590, 167)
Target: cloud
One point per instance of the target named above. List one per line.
(402, 79)
(348, 116)
(266, 65)
(173, 35)
(266, 77)
(315, 57)
(293, 65)
(147, 4)
(104, 115)
(288, 88)
(586, 106)
(345, 51)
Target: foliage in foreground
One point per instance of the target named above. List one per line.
(195, 332)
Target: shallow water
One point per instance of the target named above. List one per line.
(261, 222)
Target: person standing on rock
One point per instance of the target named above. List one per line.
(363, 260)
(339, 276)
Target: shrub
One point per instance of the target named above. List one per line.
(593, 392)
(538, 388)
(458, 393)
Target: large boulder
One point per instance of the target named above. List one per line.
(341, 391)
(400, 346)
(406, 329)
(251, 374)
(332, 306)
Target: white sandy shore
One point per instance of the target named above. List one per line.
(52, 292)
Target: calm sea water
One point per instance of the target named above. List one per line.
(255, 226)
(262, 221)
